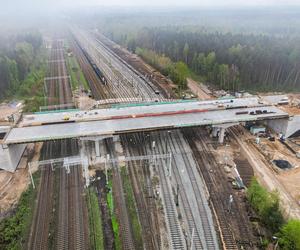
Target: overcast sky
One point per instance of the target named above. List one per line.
(31, 3)
(181, 2)
(16, 9)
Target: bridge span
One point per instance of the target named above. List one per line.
(94, 125)
(144, 117)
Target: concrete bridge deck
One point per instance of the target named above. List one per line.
(136, 109)
(114, 121)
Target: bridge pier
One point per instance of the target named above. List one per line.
(287, 127)
(221, 129)
(221, 135)
(10, 156)
(215, 132)
(98, 140)
(85, 166)
(97, 148)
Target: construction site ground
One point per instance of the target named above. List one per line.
(290, 177)
(242, 145)
(8, 109)
(82, 100)
(12, 185)
(283, 181)
(198, 89)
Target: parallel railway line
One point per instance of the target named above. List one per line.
(144, 196)
(125, 82)
(71, 224)
(39, 236)
(122, 80)
(219, 194)
(193, 203)
(121, 208)
(175, 233)
(108, 61)
(208, 241)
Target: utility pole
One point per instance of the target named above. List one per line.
(167, 139)
(105, 165)
(225, 157)
(230, 203)
(177, 194)
(68, 169)
(170, 166)
(153, 151)
(32, 181)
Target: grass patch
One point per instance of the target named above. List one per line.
(266, 204)
(130, 203)
(77, 77)
(95, 221)
(114, 220)
(32, 91)
(15, 230)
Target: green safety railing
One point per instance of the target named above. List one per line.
(56, 111)
(126, 105)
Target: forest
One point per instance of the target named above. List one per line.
(20, 61)
(235, 56)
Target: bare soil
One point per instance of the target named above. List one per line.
(7, 110)
(12, 185)
(198, 89)
(285, 182)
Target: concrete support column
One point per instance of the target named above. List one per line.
(97, 148)
(85, 164)
(86, 172)
(221, 135)
(10, 156)
(116, 138)
(215, 131)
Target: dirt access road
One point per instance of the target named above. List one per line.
(266, 175)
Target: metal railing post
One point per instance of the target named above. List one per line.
(170, 166)
(30, 173)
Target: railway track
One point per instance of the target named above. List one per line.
(173, 224)
(192, 200)
(39, 237)
(121, 79)
(208, 238)
(76, 237)
(106, 91)
(119, 72)
(62, 227)
(235, 227)
(106, 219)
(144, 195)
(71, 227)
(121, 208)
(99, 91)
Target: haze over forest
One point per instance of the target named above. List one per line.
(126, 117)
(234, 46)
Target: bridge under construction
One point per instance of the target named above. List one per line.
(128, 118)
